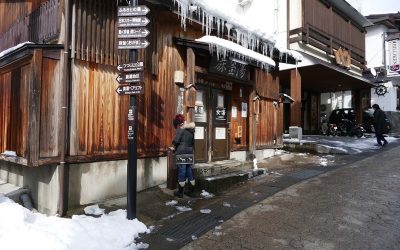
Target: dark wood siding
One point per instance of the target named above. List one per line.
(29, 22)
(327, 29)
(269, 119)
(239, 124)
(50, 108)
(14, 110)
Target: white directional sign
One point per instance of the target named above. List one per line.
(133, 44)
(129, 67)
(138, 21)
(141, 10)
(133, 32)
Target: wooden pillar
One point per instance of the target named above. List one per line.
(295, 93)
(190, 93)
(34, 108)
(253, 112)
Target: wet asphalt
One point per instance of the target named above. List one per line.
(348, 202)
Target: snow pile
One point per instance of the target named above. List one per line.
(183, 208)
(22, 229)
(94, 210)
(225, 48)
(205, 211)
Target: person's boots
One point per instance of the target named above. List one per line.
(190, 191)
(179, 192)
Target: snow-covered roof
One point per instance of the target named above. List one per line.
(251, 33)
(225, 48)
(213, 13)
(9, 50)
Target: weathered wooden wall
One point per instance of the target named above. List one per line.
(99, 115)
(11, 11)
(50, 107)
(36, 21)
(329, 21)
(14, 86)
(269, 120)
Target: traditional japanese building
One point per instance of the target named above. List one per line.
(63, 128)
(331, 37)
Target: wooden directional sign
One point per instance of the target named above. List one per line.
(129, 67)
(141, 10)
(130, 78)
(138, 21)
(133, 44)
(133, 32)
(130, 89)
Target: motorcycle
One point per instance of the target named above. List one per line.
(347, 127)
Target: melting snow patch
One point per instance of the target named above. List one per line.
(171, 203)
(206, 194)
(217, 233)
(194, 237)
(323, 162)
(142, 245)
(183, 208)
(218, 228)
(170, 240)
(205, 211)
(226, 204)
(221, 221)
(94, 210)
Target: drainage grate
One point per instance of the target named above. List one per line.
(197, 225)
(305, 174)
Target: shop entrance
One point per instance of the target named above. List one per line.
(212, 124)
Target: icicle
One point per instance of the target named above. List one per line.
(229, 27)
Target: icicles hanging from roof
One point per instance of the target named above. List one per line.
(224, 49)
(247, 36)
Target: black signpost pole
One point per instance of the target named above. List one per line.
(132, 143)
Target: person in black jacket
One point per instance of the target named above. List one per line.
(184, 155)
(379, 124)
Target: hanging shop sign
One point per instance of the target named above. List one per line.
(229, 68)
(343, 58)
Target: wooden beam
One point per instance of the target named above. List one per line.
(295, 93)
(190, 93)
(34, 108)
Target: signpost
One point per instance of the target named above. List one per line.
(131, 34)
(139, 21)
(129, 67)
(130, 78)
(130, 90)
(133, 44)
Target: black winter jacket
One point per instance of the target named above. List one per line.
(379, 121)
(184, 140)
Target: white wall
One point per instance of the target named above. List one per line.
(374, 53)
(387, 102)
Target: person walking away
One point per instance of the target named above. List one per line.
(184, 155)
(379, 124)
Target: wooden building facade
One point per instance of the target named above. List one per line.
(331, 36)
(59, 107)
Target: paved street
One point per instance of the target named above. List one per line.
(353, 207)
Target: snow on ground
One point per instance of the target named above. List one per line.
(23, 229)
(206, 194)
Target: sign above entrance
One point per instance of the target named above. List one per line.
(229, 68)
